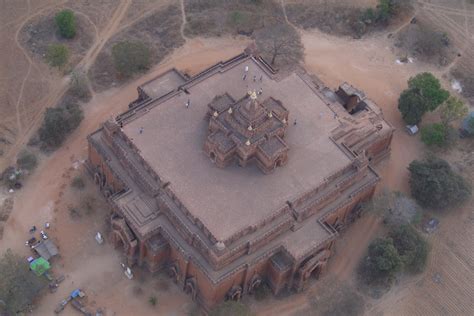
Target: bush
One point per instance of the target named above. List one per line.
(382, 261)
(434, 134)
(18, 286)
(79, 88)
(230, 308)
(262, 292)
(152, 300)
(131, 57)
(57, 55)
(434, 184)
(453, 109)
(58, 123)
(411, 246)
(66, 22)
(27, 160)
(78, 183)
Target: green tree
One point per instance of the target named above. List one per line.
(429, 88)
(382, 261)
(453, 109)
(66, 23)
(411, 246)
(434, 184)
(18, 286)
(230, 308)
(411, 106)
(58, 123)
(131, 57)
(57, 55)
(434, 134)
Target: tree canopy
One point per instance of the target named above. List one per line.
(131, 57)
(280, 44)
(429, 88)
(434, 184)
(412, 107)
(382, 261)
(411, 246)
(424, 94)
(66, 22)
(18, 286)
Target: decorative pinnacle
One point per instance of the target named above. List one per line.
(253, 95)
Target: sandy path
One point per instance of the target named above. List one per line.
(60, 87)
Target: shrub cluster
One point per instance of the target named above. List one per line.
(57, 55)
(131, 57)
(58, 123)
(26, 160)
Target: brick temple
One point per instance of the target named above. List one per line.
(238, 176)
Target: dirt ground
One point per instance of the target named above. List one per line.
(27, 86)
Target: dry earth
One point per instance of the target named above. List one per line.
(27, 87)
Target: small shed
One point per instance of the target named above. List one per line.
(39, 266)
(412, 129)
(46, 249)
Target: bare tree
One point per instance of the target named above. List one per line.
(279, 41)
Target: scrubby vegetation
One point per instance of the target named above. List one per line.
(79, 88)
(424, 94)
(421, 41)
(395, 208)
(58, 123)
(57, 55)
(131, 57)
(27, 160)
(66, 23)
(230, 308)
(18, 285)
(78, 183)
(453, 109)
(159, 32)
(217, 17)
(434, 184)
(342, 19)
